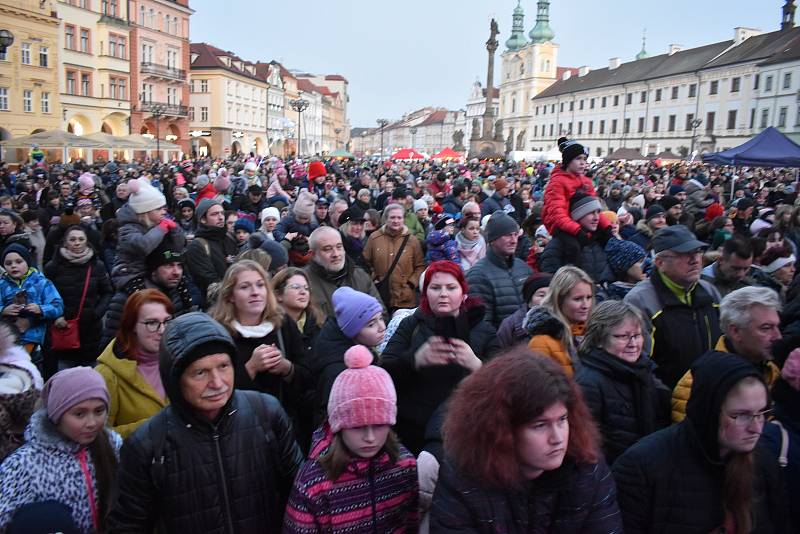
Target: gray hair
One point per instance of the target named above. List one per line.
(735, 308)
(389, 208)
(313, 239)
(339, 201)
(468, 205)
(604, 317)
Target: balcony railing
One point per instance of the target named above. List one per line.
(162, 70)
(166, 109)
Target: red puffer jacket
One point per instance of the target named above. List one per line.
(559, 191)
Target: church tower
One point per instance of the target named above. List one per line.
(517, 39)
(542, 32)
(643, 52)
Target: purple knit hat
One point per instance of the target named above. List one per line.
(353, 310)
(72, 386)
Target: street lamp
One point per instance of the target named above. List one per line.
(6, 40)
(413, 131)
(382, 123)
(157, 111)
(695, 125)
(299, 105)
(337, 131)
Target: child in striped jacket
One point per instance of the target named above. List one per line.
(358, 477)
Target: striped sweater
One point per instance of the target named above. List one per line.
(371, 496)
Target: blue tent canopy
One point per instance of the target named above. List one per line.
(770, 148)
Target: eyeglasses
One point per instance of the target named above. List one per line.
(298, 287)
(627, 338)
(154, 326)
(745, 419)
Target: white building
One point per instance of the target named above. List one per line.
(427, 130)
(476, 105)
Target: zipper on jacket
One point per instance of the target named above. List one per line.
(87, 478)
(372, 496)
(223, 481)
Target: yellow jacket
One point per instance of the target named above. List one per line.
(682, 392)
(133, 399)
(555, 349)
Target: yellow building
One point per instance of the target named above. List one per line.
(94, 66)
(29, 100)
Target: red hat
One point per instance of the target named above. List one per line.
(443, 266)
(714, 211)
(316, 169)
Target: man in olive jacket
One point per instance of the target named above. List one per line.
(215, 459)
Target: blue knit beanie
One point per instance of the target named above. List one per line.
(354, 310)
(623, 254)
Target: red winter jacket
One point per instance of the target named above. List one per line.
(206, 192)
(560, 189)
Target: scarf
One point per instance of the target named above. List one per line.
(471, 251)
(147, 365)
(78, 259)
(253, 332)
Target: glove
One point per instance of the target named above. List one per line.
(603, 235)
(167, 225)
(584, 238)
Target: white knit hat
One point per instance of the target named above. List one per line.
(420, 204)
(144, 197)
(270, 212)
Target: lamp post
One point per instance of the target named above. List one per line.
(157, 111)
(695, 125)
(337, 131)
(382, 123)
(6, 40)
(299, 105)
(413, 131)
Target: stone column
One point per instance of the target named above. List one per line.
(491, 47)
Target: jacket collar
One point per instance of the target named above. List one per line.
(503, 263)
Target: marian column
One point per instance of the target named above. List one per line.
(488, 117)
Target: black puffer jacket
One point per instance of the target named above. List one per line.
(498, 283)
(181, 473)
(627, 401)
(421, 391)
(206, 256)
(573, 499)
(327, 363)
(592, 257)
(671, 481)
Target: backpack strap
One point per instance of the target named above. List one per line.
(783, 457)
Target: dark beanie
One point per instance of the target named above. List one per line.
(570, 150)
(278, 254)
(167, 252)
(675, 189)
(500, 224)
(654, 211)
(581, 205)
(535, 282)
(19, 249)
(668, 202)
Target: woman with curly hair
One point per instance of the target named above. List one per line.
(522, 454)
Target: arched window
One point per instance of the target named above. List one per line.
(513, 102)
(141, 15)
(175, 26)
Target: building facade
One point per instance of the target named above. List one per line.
(159, 59)
(290, 92)
(427, 130)
(29, 92)
(476, 105)
(94, 66)
(275, 102)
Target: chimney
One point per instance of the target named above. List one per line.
(566, 75)
(583, 71)
(614, 63)
(674, 48)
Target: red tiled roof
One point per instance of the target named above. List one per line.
(303, 84)
(208, 57)
(284, 71)
(435, 118)
(561, 70)
(336, 78)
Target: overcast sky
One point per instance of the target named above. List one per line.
(401, 56)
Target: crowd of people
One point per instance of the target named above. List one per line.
(257, 345)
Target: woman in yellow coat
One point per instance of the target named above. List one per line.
(129, 364)
(557, 325)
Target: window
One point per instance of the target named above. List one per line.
(731, 119)
(572, 105)
(551, 130)
(735, 83)
(85, 90)
(513, 103)
(3, 98)
(109, 7)
(230, 87)
(591, 103)
(787, 80)
(152, 19)
(692, 90)
(643, 97)
(123, 89)
(191, 114)
(191, 86)
(122, 47)
(84, 4)
(27, 100)
(626, 127)
(641, 124)
(141, 15)
(675, 92)
(175, 26)
(203, 86)
(602, 127)
(167, 23)
(44, 54)
(591, 127)
(536, 130)
(45, 102)
(710, 116)
(671, 122)
(689, 119)
(764, 118)
(26, 54)
(768, 84)
(69, 37)
(713, 87)
(112, 88)
(70, 82)
(614, 126)
(616, 100)
(561, 107)
(112, 45)
(4, 55)
(782, 112)
(658, 95)
(628, 99)
(203, 114)
(656, 123)
(753, 117)
(580, 105)
(603, 102)
(552, 108)
(580, 127)
(84, 40)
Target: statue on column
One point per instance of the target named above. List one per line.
(458, 141)
(476, 130)
(498, 131)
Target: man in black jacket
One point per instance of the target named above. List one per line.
(212, 250)
(215, 459)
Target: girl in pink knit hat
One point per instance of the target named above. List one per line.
(358, 477)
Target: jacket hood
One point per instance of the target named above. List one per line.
(182, 336)
(540, 321)
(333, 343)
(713, 376)
(642, 227)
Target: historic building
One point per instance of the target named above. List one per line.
(427, 130)
(159, 59)
(275, 103)
(94, 66)
(476, 105)
(29, 93)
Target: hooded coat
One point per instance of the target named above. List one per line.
(183, 473)
(671, 481)
(545, 332)
(326, 365)
(40, 291)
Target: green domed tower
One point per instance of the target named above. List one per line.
(643, 53)
(542, 32)
(517, 39)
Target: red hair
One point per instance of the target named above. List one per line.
(442, 266)
(127, 343)
(510, 391)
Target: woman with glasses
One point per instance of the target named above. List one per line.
(129, 364)
(707, 473)
(293, 291)
(627, 401)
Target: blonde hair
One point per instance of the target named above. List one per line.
(564, 281)
(224, 312)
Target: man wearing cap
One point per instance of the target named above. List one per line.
(498, 277)
(683, 310)
(744, 212)
(321, 206)
(214, 460)
(655, 219)
(499, 199)
(212, 250)
(164, 273)
(253, 203)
